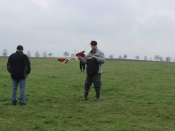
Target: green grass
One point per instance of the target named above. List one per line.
(135, 96)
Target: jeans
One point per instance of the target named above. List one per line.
(22, 83)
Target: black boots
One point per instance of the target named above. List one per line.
(86, 92)
(97, 96)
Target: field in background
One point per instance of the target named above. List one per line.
(135, 96)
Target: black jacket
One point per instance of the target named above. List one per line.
(18, 65)
(83, 56)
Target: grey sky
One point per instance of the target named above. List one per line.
(132, 27)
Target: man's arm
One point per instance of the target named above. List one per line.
(28, 65)
(100, 59)
(9, 65)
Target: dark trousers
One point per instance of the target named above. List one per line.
(95, 79)
(82, 66)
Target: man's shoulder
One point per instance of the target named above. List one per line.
(18, 54)
(99, 51)
(12, 54)
(21, 53)
(26, 56)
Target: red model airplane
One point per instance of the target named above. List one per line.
(75, 56)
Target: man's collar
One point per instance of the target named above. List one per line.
(19, 51)
(94, 51)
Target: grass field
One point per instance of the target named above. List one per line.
(135, 96)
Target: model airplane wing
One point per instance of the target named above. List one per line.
(75, 56)
(80, 53)
(63, 60)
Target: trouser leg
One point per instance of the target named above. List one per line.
(80, 67)
(22, 91)
(14, 90)
(86, 92)
(87, 86)
(97, 95)
(83, 67)
(97, 85)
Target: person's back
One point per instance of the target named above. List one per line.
(18, 66)
(82, 65)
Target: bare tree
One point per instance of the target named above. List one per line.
(50, 54)
(28, 54)
(66, 54)
(4, 52)
(44, 54)
(37, 54)
(111, 56)
(156, 57)
(168, 59)
(125, 56)
(145, 58)
(137, 57)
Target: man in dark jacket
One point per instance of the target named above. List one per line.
(18, 66)
(82, 65)
(94, 60)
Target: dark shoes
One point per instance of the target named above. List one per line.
(14, 102)
(97, 95)
(86, 92)
(85, 98)
(86, 95)
(97, 99)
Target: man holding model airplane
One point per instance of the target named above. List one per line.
(95, 59)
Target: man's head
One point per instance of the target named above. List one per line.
(19, 48)
(93, 45)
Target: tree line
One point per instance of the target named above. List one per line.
(157, 58)
(66, 54)
(36, 54)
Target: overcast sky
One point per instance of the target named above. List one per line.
(131, 27)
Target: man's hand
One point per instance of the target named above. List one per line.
(94, 57)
